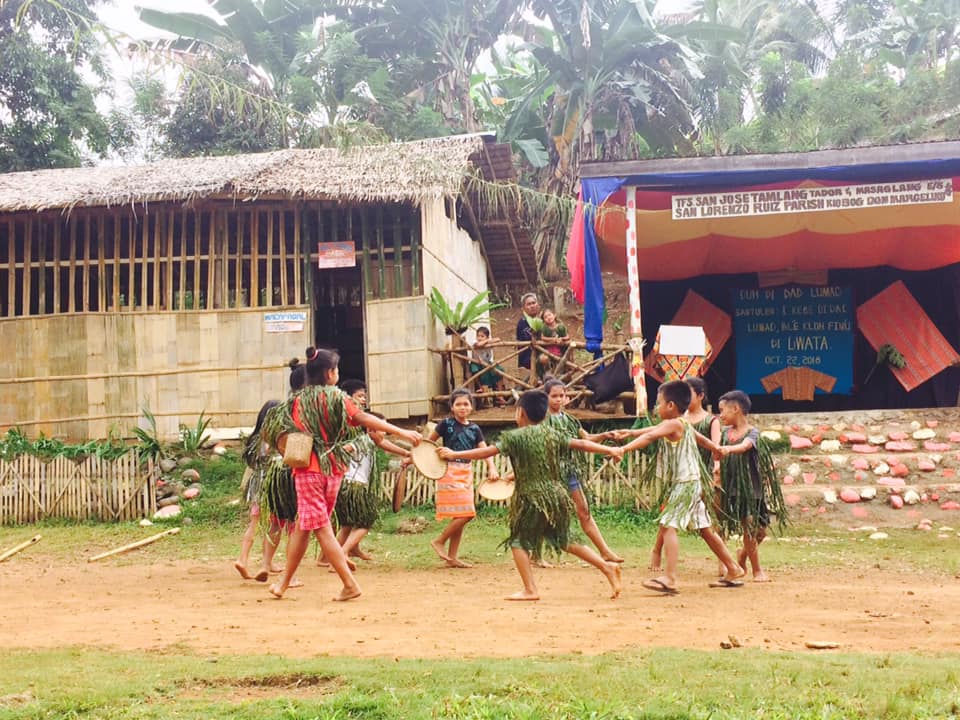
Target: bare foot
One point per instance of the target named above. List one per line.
(322, 562)
(761, 577)
(522, 595)
(242, 570)
(655, 567)
(613, 573)
(440, 550)
(348, 593)
(261, 576)
(458, 563)
(358, 553)
(613, 557)
(276, 591)
(541, 563)
(732, 576)
(295, 583)
(276, 570)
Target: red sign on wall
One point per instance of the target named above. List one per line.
(336, 255)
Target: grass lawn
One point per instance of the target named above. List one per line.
(647, 683)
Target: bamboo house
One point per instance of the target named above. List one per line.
(185, 286)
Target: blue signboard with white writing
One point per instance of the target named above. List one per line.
(794, 327)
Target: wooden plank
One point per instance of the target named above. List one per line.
(182, 285)
(397, 257)
(115, 302)
(238, 259)
(167, 267)
(381, 260)
(85, 267)
(72, 272)
(195, 285)
(143, 260)
(56, 265)
(297, 286)
(42, 231)
(366, 259)
(27, 265)
(285, 299)
(101, 265)
(213, 290)
(254, 260)
(270, 215)
(11, 269)
(416, 250)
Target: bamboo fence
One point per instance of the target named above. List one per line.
(94, 489)
(612, 483)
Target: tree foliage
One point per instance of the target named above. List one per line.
(48, 113)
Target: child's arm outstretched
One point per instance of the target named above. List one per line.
(744, 446)
(492, 472)
(590, 446)
(707, 443)
(671, 429)
(481, 452)
(372, 422)
(391, 447)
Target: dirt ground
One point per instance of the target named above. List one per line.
(433, 613)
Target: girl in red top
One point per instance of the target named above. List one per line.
(324, 411)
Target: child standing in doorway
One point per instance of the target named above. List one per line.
(573, 468)
(540, 508)
(325, 412)
(679, 465)
(455, 489)
(748, 481)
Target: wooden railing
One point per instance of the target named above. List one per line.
(570, 367)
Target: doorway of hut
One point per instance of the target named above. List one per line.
(338, 317)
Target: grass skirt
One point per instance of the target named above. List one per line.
(357, 505)
(278, 493)
(545, 521)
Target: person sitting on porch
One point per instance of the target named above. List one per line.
(490, 379)
(527, 325)
(551, 328)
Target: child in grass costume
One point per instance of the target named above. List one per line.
(751, 492)
(358, 501)
(325, 412)
(575, 468)
(679, 465)
(259, 459)
(540, 508)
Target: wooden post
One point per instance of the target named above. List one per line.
(636, 328)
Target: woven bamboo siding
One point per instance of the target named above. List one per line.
(400, 367)
(454, 264)
(79, 377)
(95, 489)
(610, 484)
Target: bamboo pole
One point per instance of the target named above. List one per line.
(11, 269)
(101, 265)
(297, 285)
(115, 302)
(27, 269)
(56, 267)
(17, 548)
(133, 545)
(282, 230)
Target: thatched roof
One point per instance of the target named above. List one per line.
(396, 172)
(400, 172)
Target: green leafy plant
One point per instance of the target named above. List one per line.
(457, 319)
(148, 439)
(192, 439)
(887, 354)
(14, 445)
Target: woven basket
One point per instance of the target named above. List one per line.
(297, 450)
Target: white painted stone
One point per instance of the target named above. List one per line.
(839, 460)
(879, 536)
(881, 469)
(868, 493)
(771, 435)
(794, 469)
(829, 496)
(911, 497)
(877, 439)
(830, 445)
(924, 434)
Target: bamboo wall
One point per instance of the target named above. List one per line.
(454, 264)
(83, 376)
(95, 489)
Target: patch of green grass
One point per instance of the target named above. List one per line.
(644, 684)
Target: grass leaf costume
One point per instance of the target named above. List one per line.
(748, 487)
(541, 509)
(357, 504)
(323, 414)
(683, 479)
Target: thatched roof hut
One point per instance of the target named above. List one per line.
(195, 279)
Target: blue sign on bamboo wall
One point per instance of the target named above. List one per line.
(777, 328)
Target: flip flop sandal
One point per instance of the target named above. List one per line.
(722, 583)
(659, 586)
